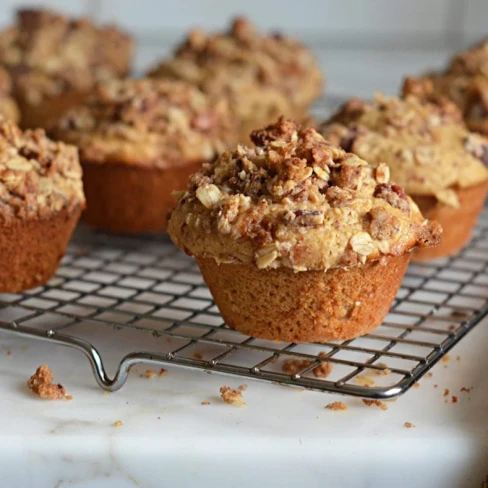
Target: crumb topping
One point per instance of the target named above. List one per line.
(48, 54)
(337, 406)
(148, 121)
(263, 75)
(38, 177)
(295, 200)
(420, 137)
(41, 383)
(231, 396)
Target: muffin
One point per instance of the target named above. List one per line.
(41, 199)
(139, 140)
(430, 153)
(297, 239)
(8, 107)
(264, 76)
(55, 62)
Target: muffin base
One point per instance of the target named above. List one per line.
(30, 250)
(131, 199)
(308, 306)
(457, 223)
(47, 113)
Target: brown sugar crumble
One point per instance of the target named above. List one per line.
(376, 403)
(231, 396)
(446, 358)
(41, 383)
(409, 425)
(336, 406)
(118, 423)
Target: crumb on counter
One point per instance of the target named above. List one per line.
(41, 383)
(336, 406)
(446, 392)
(409, 425)
(205, 403)
(118, 423)
(242, 387)
(9, 352)
(376, 403)
(106, 393)
(163, 372)
(466, 390)
(149, 374)
(458, 358)
(231, 396)
(416, 385)
(428, 375)
(446, 358)
(454, 399)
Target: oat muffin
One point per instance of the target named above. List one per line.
(41, 199)
(55, 61)
(139, 140)
(429, 151)
(297, 239)
(264, 76)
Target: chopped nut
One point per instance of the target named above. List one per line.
(231, 396)
(382, 173)
(376, 403)
(41, 384)
(362, 243)
(336, 406)
(209, 195)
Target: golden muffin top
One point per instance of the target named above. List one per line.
(295, 200)
(48, 54)
(422, 139)
(38, 177)
(148, 122)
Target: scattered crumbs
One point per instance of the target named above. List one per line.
(163, 372)
(41, 383)
(409, 425)
(458, 358)
(364, 380)
(106, 393)
(149, 374)
(466, 390)
(336, 406)
(69, 397)
(376, 403)
(9, 352)
(242, 387)
(416, 385)
(428, 375)
(231, 396)
(324, 368)
(459, 314)
(446, 358)
(205, 403)
(454, 399)
(295, 366)
(446, 392)
(118, 423)
(196, 355)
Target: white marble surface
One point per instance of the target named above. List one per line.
(282, 437)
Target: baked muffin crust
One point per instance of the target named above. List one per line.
(150, 122)
(421, 137)
(294, 200)
(48, 54)
(38, 177)
(263, 75)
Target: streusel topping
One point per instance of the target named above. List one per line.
(149, 121)
(38, 177)
(422, 138)
(243, 63)
(297, 201)
(48, 54)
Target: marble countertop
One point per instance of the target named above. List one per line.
(283, 436)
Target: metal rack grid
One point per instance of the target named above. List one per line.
(148, 301)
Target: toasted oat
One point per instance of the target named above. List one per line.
(336, 406)
(295, 366)
(41, 383)
(364, 380)
(205, 402)
(409, 425)
(231, 396)
(118, 423)
(377, 403)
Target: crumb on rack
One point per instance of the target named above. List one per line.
(364, 380)
(454, 399)
(196, 355)
(409, 425)
(295, 366)
(384, 371)
(41, 383)
(242, 387)
(466, 390)
(118, 423)
(205, 402)
(376, 403)
(446, 392)
(163, 372)
(336, 406)
(149, 374)
(459, 314)
(324, 368)
(231, 396)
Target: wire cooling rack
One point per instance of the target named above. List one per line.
(147, 300)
